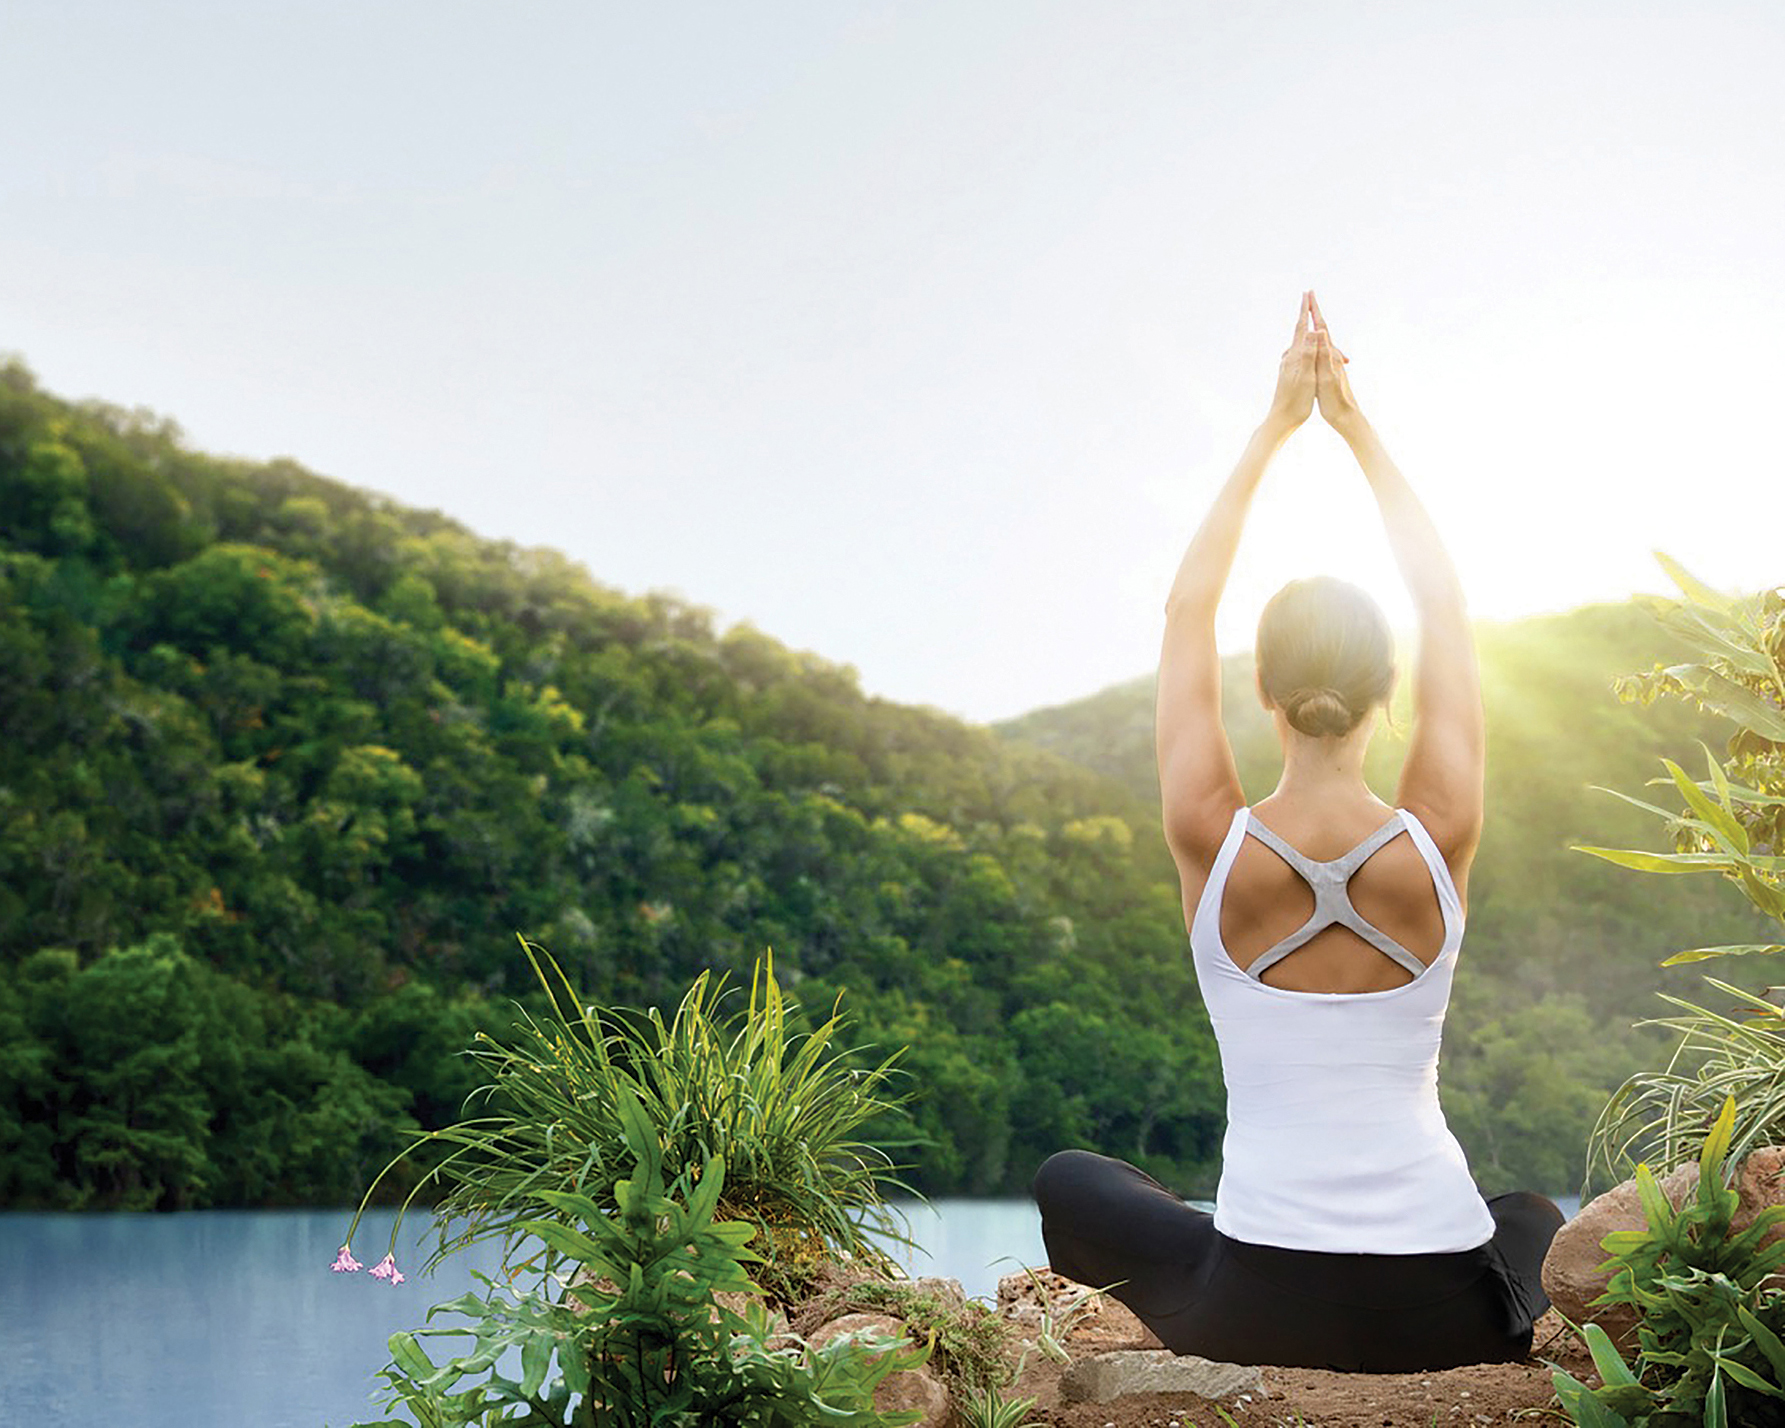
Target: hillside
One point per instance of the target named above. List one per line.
(288, 766)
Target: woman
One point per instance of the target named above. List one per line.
(1324, 928)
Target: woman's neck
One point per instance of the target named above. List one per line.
(1323, 770)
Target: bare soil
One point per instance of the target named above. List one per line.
(1309, 1398)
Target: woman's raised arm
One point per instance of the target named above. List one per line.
(1441, 782)
(1199, 786)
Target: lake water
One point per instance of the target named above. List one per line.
(231, 1319)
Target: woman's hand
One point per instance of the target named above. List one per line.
(1296, 378)
(1332, 386)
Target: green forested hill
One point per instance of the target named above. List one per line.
(284, 767)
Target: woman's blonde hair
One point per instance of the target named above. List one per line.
(1325, 655)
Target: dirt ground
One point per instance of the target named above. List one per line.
(1308, 1398)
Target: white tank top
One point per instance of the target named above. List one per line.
(1335, 1140)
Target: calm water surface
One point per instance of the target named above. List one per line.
(232, 1319)
(226, 1319)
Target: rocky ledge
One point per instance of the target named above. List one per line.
(1087, 1362)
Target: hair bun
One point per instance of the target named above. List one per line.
(1325, 655)
(1319, 713)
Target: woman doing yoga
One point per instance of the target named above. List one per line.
(1324, 929)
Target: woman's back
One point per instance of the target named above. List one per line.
(1266, 900)
(1335, 1140)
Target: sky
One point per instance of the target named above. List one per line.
(921, 335)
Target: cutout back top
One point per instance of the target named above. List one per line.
(1335, 1140)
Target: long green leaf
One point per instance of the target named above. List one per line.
(1765, 1340)
(1722, 639)
(1646, 862)
(705, 1198)
(1672, 815)
(1606, 1357)
(1732, 700)
(1716, 1411)
(1733, 949)
(1694, 589)
(1763, 895)
(1655, 1207)
(409, 1356)
(568, 1241)
(572, 1203)
(1746, 1376)
(536, 1360)
(1721, 822)
(1719, 779)
(1711, 1158)
(1586, 1410)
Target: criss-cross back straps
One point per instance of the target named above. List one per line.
(1330, 883)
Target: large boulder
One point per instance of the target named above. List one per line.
(1572, 1276)
(909, 1390)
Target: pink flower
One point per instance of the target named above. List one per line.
(386, 1268)
(345, 1263)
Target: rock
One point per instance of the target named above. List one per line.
(1027, 1289)
(1103, 1377)
(1571, 1274)
(1071, 1308)
(908, 1391)
(736, 1300)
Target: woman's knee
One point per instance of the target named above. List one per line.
(1527, 1208)
(1060, 1174)
(1524, 1225)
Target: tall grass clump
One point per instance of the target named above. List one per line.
(638, 1333)
(1730, 824)
(724, 1079)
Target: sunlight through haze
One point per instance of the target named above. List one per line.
(920, 335)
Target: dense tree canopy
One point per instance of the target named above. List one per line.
(287, 766)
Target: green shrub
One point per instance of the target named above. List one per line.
(969, 1343)
(635, 1330)
(1732, 825)
(782, 1108)
(1708, 1337)
(988, 1410)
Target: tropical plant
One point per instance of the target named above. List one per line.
(1660, 1114)
(1057, 1321)
(1732, 825)
(783, 1109)
(988, 1410)
(635, 1326)
(1734, 821)
(1708, 1337)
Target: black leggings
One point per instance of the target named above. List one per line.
(1107, 1224)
